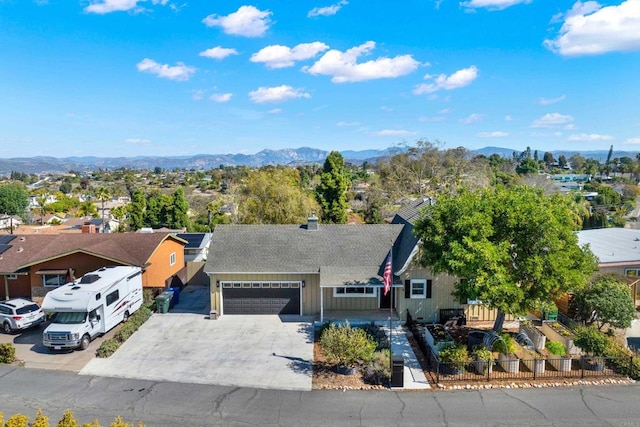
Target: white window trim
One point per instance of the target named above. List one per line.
(44, 282)
(421, 295)
(366, 293)
(172, 258)
(12, 276)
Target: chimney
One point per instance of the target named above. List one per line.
(88, 228)
(312, 222)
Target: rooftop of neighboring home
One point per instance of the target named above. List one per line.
(613, 245)
(21, 251)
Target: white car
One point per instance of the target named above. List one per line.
(19, 313)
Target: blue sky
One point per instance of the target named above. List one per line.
(171, 78)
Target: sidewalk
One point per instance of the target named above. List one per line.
(414, 378)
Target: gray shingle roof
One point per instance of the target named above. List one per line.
(333, 249)
(407, 215)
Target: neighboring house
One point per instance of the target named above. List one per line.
(31, 265)
(322, 269)
(617, 250)
(9, 222)
(195, 256)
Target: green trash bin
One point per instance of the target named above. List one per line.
(162, 303)
(550, 315)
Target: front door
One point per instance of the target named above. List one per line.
(385, 300)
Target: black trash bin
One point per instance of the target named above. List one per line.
(397, 371)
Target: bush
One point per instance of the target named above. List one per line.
(347, 346)
(378, 335)
(556, 348)
(17, 420)
(622, 360)
(507, 345)
(378, 371)
(592, 341)
(7, 353)
(455, 354)
(107, 348)
(480, 352)
(68, 420)
(40, 420)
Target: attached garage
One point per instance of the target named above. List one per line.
(261, 297)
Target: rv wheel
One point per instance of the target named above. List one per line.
(84, 342)
(126, 316)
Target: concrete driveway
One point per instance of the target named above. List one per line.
(246, 351)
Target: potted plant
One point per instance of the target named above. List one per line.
(436, 336)
(559, 358)
(453, 357)
(595, 344)
(507, 359)
(483, 360)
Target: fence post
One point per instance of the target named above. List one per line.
(582, 367)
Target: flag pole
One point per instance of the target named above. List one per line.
(391, 316)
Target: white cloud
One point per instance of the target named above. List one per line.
(276, 94)
(553, 120)
(549, 101)
(344, 66)
(492, 4)
(278, 56)
(508, 118)
(433, 119)
(446, 111)
(472, 118)
(496, 134)
(221, 97)
(342, 124)
(197, 94)
(586, 137)
(247, 21)
(218, 52)
(179, 71)
(460, 78)
(275, 111)
(545, 134)
(328, 10)
(590, 29)
(633, 140)
(392, 132)
(102, 7)
(137, 141)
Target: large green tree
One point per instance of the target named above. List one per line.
(512, 248)
(13, 200)
(179, 211)
(136, 209)
(606, 301)
(275, 196)
(332, 190)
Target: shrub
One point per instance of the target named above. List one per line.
(7, 353)
(378, 335)
(556, 348)
(17, 420)
(506, 345)
(455, 354)
(107, 348)
(480, 352)
(623, 361)
(378, 371)
(68, 420)
(40, 420)
(346, 346)
(592, 341)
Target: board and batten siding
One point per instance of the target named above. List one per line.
(310, 291)
(348, 303)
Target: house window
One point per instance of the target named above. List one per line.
(12, 276)
(418, 288)
(112, 297)
(354, 291)
(172, 258)
(632, 272)
(53, 280)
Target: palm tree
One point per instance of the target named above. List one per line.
(103, 195)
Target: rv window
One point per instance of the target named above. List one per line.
(112, 297)
(76, 317)
(98, 296)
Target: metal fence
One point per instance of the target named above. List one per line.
(524, 369)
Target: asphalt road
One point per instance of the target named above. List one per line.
(175, 404)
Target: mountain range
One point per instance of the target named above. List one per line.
(291, 157)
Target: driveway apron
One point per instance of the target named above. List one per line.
(235, 350)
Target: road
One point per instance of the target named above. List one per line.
(174, 404)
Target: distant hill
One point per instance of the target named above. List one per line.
(289, 156)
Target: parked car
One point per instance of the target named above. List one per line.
(20, 313)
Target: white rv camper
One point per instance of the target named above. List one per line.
(91, 306)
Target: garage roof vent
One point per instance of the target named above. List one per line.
(312, 222)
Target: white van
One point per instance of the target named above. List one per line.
(91, 306)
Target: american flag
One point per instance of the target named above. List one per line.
(387, 277)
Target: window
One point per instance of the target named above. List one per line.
(112, 297)
(632, 272)
(418, 288)
(172, 258)
(354, 291)
(53, 280)
(12, 276)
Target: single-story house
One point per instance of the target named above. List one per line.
(328, 271)
(33, 264)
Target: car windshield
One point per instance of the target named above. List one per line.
(27, 309)
(69, 318)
